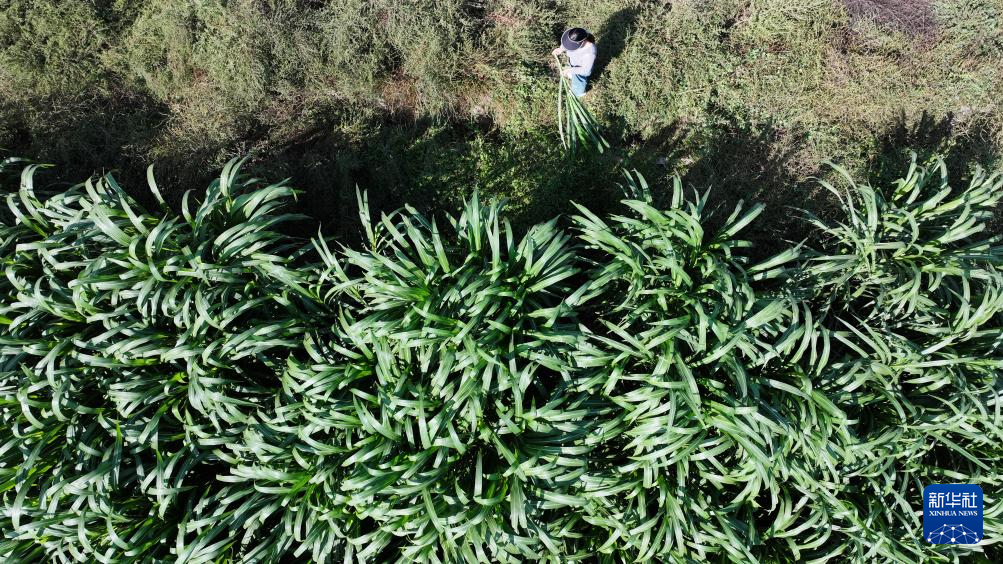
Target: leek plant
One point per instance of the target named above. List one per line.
(575, 123)
(134, 349)
(202, 387)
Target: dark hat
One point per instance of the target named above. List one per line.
(574, 38)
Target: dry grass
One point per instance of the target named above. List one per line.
(816, 79)
(913, 17)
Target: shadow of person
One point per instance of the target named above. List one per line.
(612, 38)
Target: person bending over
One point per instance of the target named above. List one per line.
(581, 49)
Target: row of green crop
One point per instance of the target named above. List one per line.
(204, 387)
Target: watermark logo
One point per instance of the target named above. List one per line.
(952, 514)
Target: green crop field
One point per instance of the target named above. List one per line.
(740, 303)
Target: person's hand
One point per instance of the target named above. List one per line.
(568, 71)
(557, 50)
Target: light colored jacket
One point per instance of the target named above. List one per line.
(583, 58)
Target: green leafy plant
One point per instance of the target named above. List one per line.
(202, 387)
(134, 348)
(576, 125)
(898, 252)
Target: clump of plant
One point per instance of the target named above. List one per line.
(576, 124)
(135, 348)
(203, 387)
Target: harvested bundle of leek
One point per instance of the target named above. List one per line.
(575, 123)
